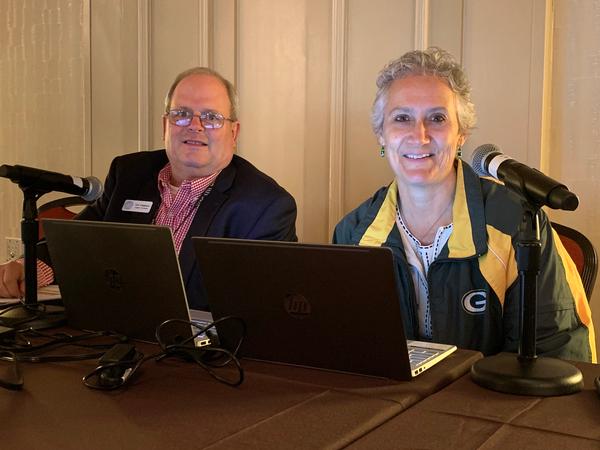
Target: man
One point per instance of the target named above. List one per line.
(197, 186)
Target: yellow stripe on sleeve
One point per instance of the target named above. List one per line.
(582, 306)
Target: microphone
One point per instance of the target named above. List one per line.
(536, 187)
(89, 188)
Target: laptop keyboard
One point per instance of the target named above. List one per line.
(420, 355)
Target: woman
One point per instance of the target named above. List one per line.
(453, 233)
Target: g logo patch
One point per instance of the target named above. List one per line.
(475, 302)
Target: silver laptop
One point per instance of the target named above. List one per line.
(118, 277)
(327, 306)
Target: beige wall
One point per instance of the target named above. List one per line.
(83, 81)
(573, 153)
(44, 72)
(574, 150)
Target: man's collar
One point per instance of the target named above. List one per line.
(196, 186)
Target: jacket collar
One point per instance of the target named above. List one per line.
(384, 220)
(468, 238)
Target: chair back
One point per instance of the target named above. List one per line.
(59, 209)
(583, 254)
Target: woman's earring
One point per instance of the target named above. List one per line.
(382, 151)
(459, 152)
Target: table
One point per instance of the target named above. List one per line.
(466, 416)
(174, 404)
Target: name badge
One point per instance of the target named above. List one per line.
(138, 206)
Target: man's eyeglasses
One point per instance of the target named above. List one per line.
(182, 117)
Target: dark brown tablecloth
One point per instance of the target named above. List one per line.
(466, 416)
(174, 404)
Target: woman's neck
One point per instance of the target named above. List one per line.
(425, 209)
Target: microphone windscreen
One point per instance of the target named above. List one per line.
(95, 190)
(4, 171)
(479, 156)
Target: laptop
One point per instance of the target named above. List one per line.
(325, 306)
(118, 277)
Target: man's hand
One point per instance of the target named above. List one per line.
(12, 279)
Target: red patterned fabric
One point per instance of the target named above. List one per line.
(178, 205)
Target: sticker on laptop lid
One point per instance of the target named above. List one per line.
(139, 206)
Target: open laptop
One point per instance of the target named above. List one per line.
(327, 306)
(118, 277)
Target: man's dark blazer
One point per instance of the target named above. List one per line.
(244, 203)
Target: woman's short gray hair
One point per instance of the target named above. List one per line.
(231, 92)
(433, 61)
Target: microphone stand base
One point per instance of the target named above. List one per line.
(39, 317)
(543, 377)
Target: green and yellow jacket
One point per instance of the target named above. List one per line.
(474, 284)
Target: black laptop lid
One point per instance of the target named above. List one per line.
(328, 306)
(119, 277)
